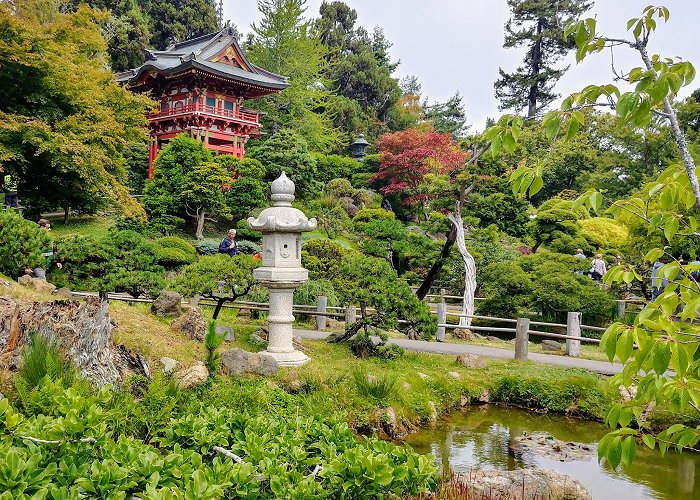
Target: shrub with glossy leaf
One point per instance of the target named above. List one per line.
(302, 457)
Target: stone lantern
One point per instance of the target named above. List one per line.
(281, 270)
(359, 147)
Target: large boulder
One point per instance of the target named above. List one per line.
(543, 444)
(471, 360)
(167, 304)
(192, 324)
(81, 330)
(38, 284)
(522, 483)
(240, 362)
(466, 334)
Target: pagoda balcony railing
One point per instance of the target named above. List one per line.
(237, 115)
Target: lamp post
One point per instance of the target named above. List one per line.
(359, 147)
(281, 270)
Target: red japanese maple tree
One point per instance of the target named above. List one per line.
(407, 156)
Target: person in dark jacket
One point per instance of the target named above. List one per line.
(229, 245)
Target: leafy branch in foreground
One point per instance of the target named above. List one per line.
(660, 349)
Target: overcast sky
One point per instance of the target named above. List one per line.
(457, 45)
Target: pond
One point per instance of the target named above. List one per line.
(484, 438)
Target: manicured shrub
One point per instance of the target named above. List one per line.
(339, 188)
(175, 242)
(366, 215)
(22, 243)
(311, 290)
(322, 257)
(207, 247)
(247, 247)
(602, 232)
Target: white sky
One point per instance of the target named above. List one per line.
(452, 45)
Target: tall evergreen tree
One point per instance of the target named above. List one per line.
(538, 25)
(359, 66)
(287, 43)
(448, 117)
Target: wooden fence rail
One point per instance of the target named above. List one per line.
(321, 311)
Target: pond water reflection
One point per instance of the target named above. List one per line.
(483, 438)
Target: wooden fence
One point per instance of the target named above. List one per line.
(521, 328)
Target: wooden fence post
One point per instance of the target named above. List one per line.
(521, 338)
(321, 303)
(350, 315)
(621, 306)
(573, 329)
(441, 319)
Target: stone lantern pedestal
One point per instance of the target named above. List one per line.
(281, 270)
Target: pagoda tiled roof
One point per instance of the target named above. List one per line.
(200, 53)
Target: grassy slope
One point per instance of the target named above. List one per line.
(327, 383)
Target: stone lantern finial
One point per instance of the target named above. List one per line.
(282, 190)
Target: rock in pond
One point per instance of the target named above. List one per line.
(522, 483)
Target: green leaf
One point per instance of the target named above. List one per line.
(671, 229)
(614, 452)
(649, 440)
(662, 357)
(536, 185)
(629, 450)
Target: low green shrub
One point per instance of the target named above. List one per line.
(200, 451)
(175, 242)
(173, 258)
(247, 247)
(207, 247)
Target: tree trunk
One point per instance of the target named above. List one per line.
(469, 269)
(217, 309)
(535, 65)
(81, 330)
(65, 214)
(199, 234)
(427, 284)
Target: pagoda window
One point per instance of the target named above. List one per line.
(211, 101)
(178, 105)
(195, 99)
(228, 105)
(163, 106)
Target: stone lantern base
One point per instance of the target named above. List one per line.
(294, 358)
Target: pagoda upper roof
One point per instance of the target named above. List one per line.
(216, 53)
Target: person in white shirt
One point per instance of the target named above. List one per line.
(598, 268)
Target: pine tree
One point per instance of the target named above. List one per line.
(538, 25)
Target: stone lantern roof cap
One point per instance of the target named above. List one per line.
(282, 217)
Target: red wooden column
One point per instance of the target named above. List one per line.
(152, 153)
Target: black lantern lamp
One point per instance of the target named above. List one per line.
(359, 147)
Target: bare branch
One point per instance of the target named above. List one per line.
(228, 454)
(56, 441)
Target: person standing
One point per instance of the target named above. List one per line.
(658, 284)
(9, 183)
(579, 254)
(229, 245)
(49, 255)
(598, 268)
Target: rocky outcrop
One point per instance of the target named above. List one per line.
(521, 483)
(168, 304)
(192, 324)
(471, 361)
(240, 362)
(82, 331)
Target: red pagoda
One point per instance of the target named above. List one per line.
(201, 85)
